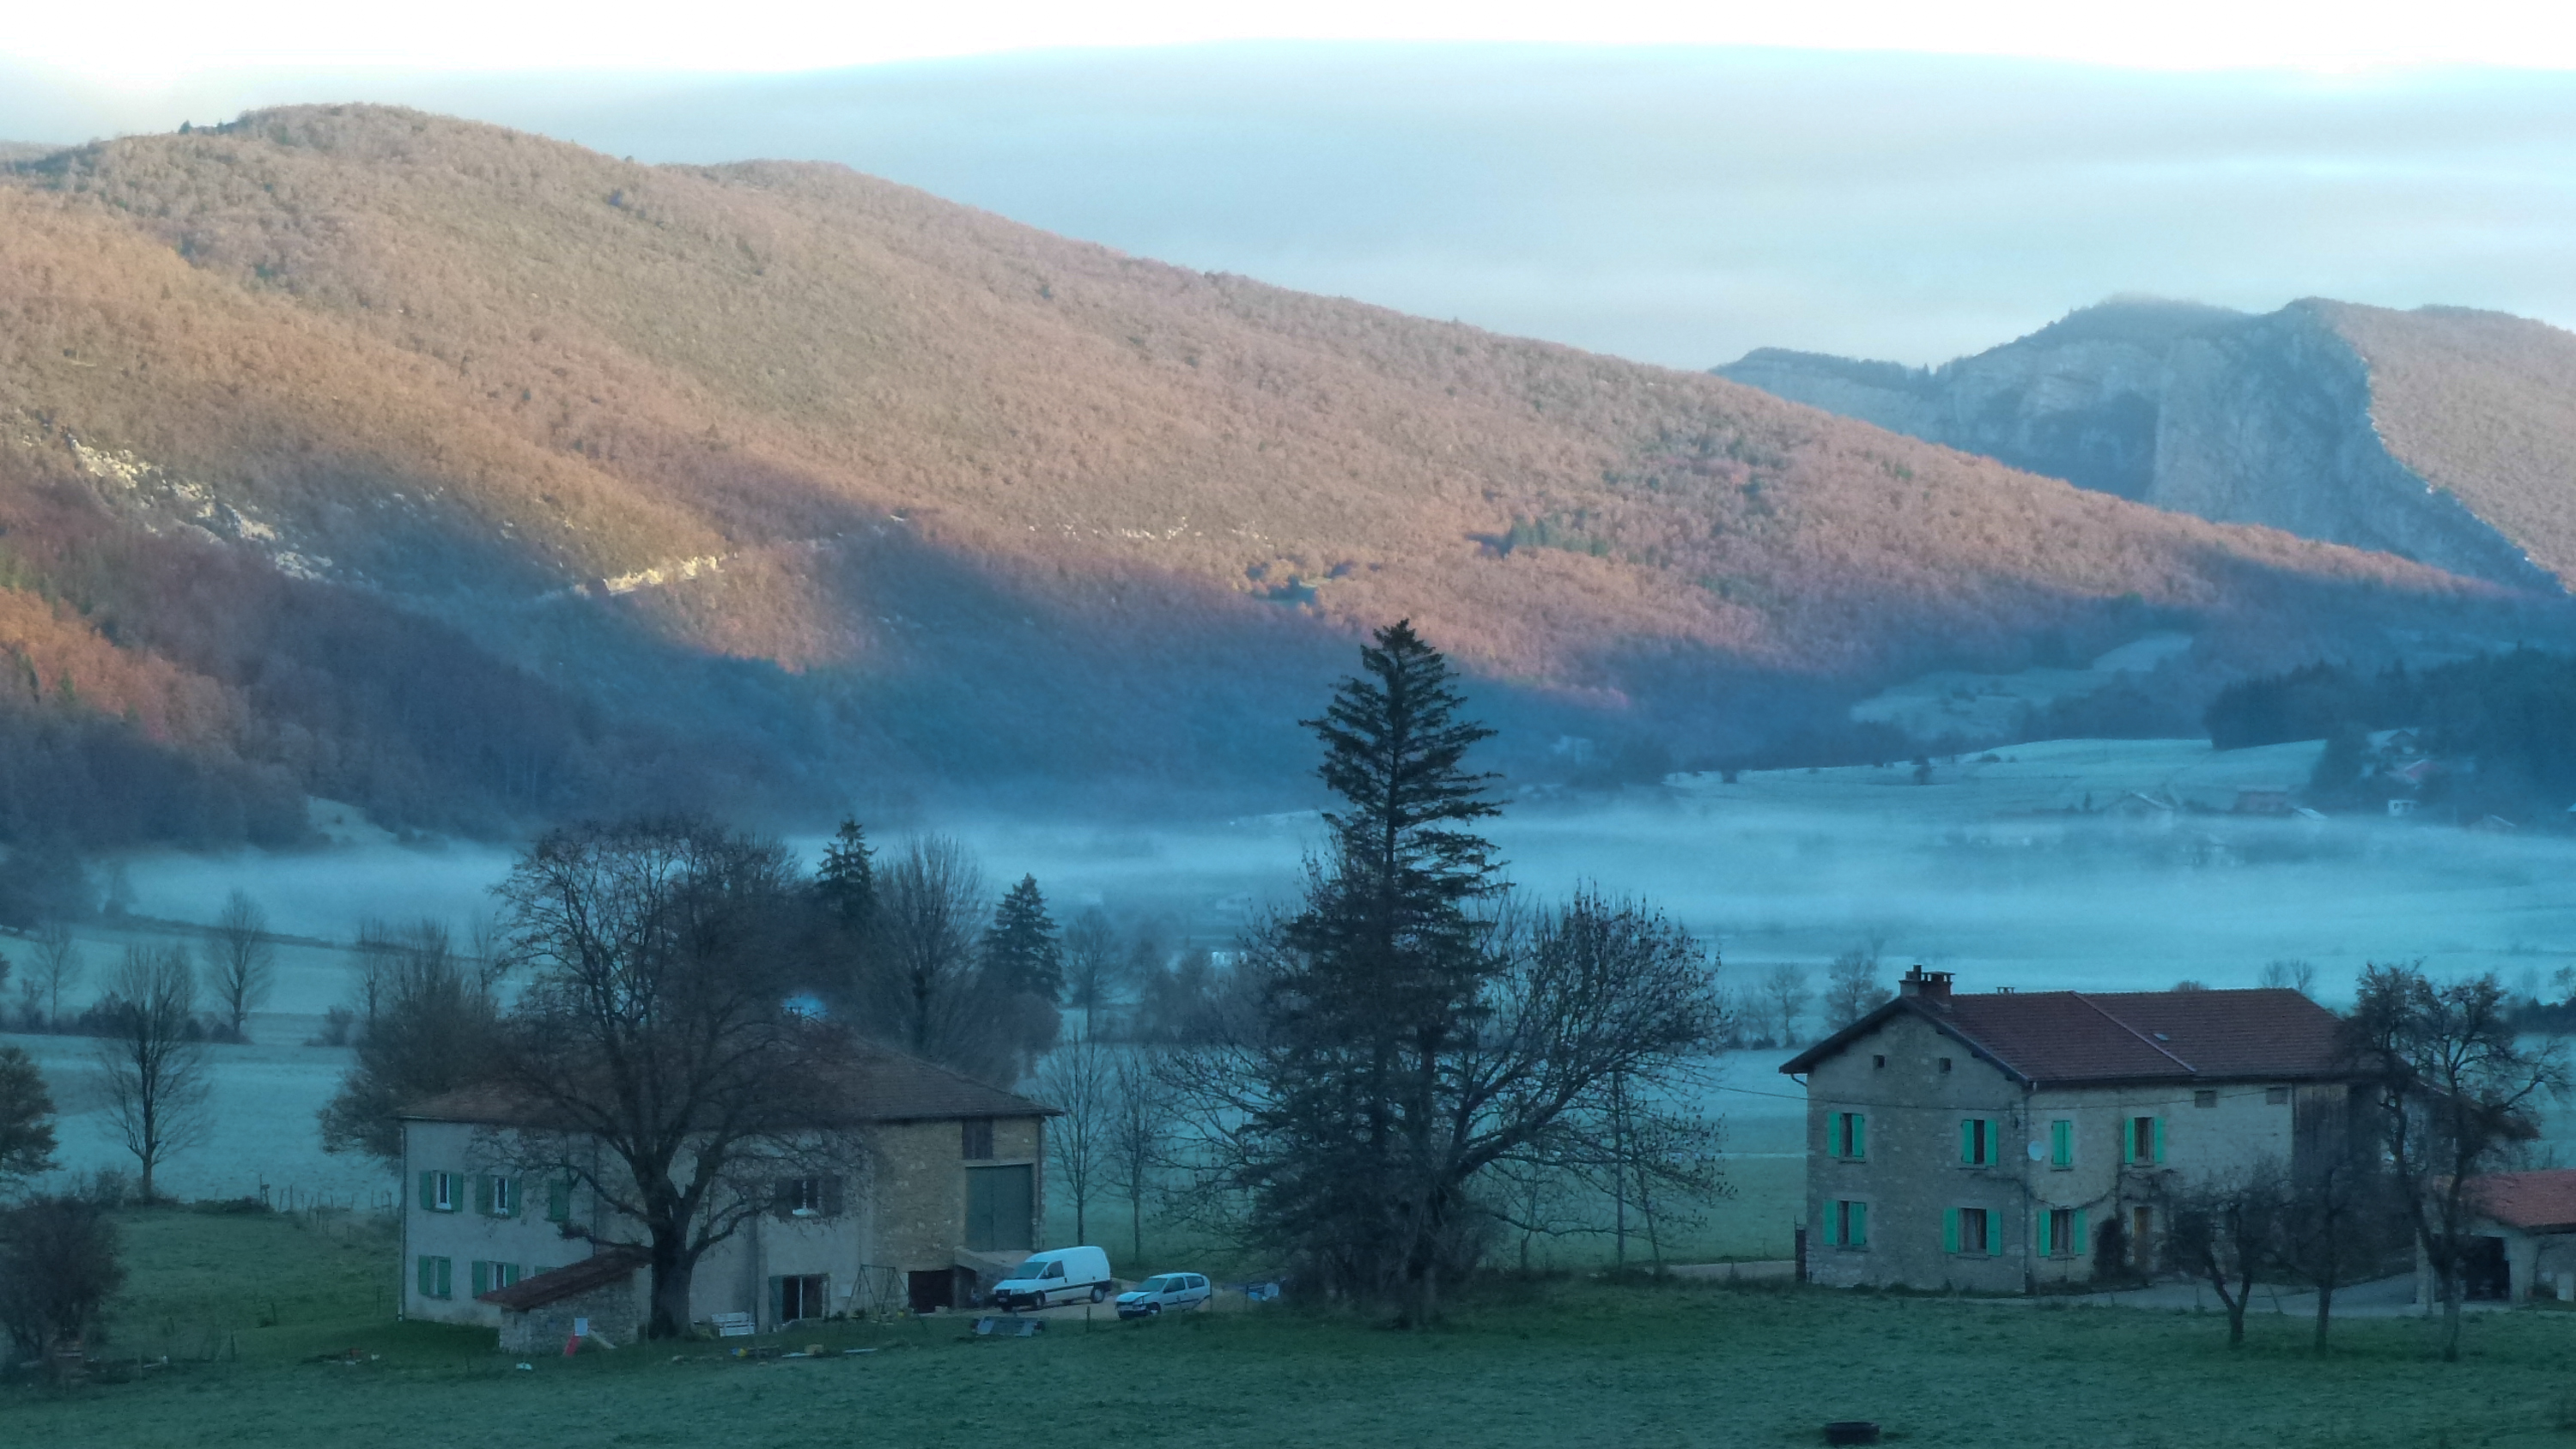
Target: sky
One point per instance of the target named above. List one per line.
(1895, 181)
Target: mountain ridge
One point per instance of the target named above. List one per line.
(767, 484)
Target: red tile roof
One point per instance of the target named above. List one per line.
(2540, 1202)
(875, 1084)
(2074, 1037)
(610, 1263)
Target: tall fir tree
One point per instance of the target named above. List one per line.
(847, 883)
(1378, 980)
(1023, 954)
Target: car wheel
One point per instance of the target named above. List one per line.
(1153, 1310)
(1098, 1293)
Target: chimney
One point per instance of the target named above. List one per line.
(1919, 982)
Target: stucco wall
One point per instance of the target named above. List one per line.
(1913, 1175)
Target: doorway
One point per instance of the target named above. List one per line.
(2142, 1240)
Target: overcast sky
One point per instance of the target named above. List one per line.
(1675, 202)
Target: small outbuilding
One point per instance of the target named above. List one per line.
(595, 1299)
(2525, 1237)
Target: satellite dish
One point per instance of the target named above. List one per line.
(2037, 1152)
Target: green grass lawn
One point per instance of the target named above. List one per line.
(244, 1304)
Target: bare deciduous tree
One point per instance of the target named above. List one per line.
(1091, 966)
(2295, 975)
(241, 962)
(58, 1268)
(1078, 1079)
(436, 1027)
(57, 967)
(26, 1120)
(1784, 1000)
(152, 1059)
(2341, 1221)
(1852, 987)
(930, 995)
(2226, 1230)
(653, 1047)
(2457, 1087)
(1137, 1131)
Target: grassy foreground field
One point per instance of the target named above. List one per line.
(1550, 1363)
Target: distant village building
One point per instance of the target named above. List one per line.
(2007, 1141)
(2262, 802)
(946, 1195)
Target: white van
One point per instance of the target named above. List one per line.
(1058, 1275)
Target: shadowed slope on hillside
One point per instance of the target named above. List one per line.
(887, 494)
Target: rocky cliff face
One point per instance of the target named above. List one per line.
(2239, 419)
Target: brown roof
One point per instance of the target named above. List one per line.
(877, 1084)
(610, 1263)
(2540, 1202)
(2070, 1037)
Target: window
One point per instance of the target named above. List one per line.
(488, 1276)
(1847, 1135)
(559, 1200)
(979, 1139)
(1878, 1062)
(2061, 1233)
(439, 1191)
(436, 1277)
(2204, 1098)
(2142, 1141)
(2277, 1096)
(1847, 1225)
(1977, 1140)
(807, 1197)
(497, 1197)
(799, 1295)
(1971, 1231)
(1945, 1064)
(2061, 1143)
(999, 1204)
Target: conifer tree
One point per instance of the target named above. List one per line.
(847, 885)
(1022, 952)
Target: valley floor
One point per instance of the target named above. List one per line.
(260, 1313)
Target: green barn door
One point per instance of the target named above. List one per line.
(999, 1203)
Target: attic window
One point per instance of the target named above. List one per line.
(1878, 1061)
(2204, 1098)
(1945, 1064)
(978, 1138)
(2277, 1096)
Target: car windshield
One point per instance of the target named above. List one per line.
(1033, 1268)
(1156, 1285)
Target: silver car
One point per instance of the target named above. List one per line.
(1165, 1290)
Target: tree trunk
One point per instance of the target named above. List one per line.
(2451, 1317)
(2325, 1310)
(1136, 1226)
(671, 1276)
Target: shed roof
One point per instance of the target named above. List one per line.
(2537, 1202)
(603, 1267)
(873, 1083)
(2077, 1037)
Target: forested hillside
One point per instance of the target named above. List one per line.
(479, 479)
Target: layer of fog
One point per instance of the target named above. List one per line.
(2094, 865)
(1673, 204)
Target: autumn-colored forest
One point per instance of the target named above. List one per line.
(479, 479)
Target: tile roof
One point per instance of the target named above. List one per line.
(874, 1084)
(2072, 1037)
(2541, 1202)
(610, 1263)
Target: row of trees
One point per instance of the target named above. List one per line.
(236, 959)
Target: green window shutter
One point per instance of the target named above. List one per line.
(1949, 1230)
(1838, 1135)
(2128, 1139)
(1994, 1232)
(447, 1277)
(1968, 1141)
(1857, 1236)
(2160, 1141)
(1833, 1211)
(428, 1194)
(428, 1277)
(482, 1277)
(559, 1200)
(1859, 1135)
(2077, 1247)
(483, 1193)
(2061, 1144)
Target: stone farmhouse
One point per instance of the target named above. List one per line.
(948, 1195)
(2008, 1141)
(2523, 1238)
